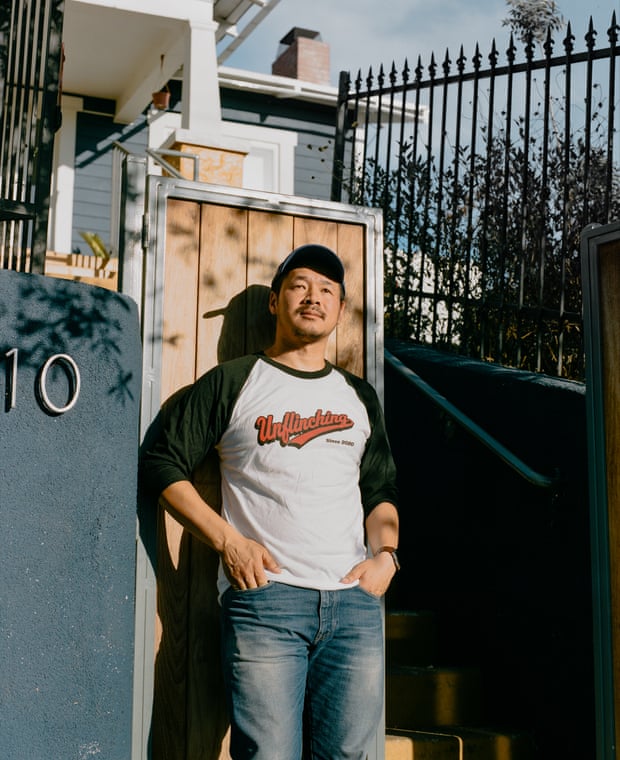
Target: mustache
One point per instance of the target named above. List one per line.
(314, 309)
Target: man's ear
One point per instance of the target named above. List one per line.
(273, 300)
(342, 305)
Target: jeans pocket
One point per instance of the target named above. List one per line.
(369, 594)
(230, 591)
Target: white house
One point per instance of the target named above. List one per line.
(119, 52)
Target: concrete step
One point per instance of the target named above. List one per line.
(456, 743)
(410, 638)
(418, 745)
(425, 697)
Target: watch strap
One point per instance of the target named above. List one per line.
(391, 550)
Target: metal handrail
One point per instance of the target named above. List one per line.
(158, 157)
(542, 481)
(119, 146)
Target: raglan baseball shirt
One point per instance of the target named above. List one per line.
(304, 457)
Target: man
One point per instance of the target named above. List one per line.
(308, 527)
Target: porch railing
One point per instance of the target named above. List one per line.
(30, 62)
(487, 174)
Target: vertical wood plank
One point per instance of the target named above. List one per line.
(346, 346)
(173, 544)
(222, 282)
(321, 232)
(168, 725)
(222, 277)
(180, 295)
(270, 240)
(315, 230)
(207, 719)
(350, 336)
(609, 267)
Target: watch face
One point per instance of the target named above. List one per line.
(395, 558)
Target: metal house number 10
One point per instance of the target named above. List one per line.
(41, 387)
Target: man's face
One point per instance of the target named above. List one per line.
(308, 306)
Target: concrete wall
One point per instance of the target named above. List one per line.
(70, 374)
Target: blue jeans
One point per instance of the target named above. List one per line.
(295, 656)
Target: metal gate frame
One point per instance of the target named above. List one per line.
(141, 244)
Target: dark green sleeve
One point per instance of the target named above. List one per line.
(191, 423)
(377, 469)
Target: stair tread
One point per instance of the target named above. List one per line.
(436, 711)
(430, 668)
(449, 743)
(457, 730)
(432, 696)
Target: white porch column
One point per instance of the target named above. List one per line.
(61, 201)
(201, 95)
(220, 160)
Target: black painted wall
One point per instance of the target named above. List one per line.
(503, 564)
(67, 518)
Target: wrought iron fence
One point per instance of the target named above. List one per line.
(487, 175)
(30, 60)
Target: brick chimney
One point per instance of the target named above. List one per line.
(303, 56)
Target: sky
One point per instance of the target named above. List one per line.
(366, 33)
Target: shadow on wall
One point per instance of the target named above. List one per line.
(248, 325)
(189, 717)
(70, 313)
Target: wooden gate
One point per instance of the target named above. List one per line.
(211, 254)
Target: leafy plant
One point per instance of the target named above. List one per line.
(97, 246)
(533, 17)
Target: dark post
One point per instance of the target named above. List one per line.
(600, 252)
(341, 119)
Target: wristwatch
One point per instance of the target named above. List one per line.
(392, 551)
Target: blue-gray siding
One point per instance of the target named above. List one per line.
(315, 126)
(93, 172)
(96, 132)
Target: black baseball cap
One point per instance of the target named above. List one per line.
(319, 258)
